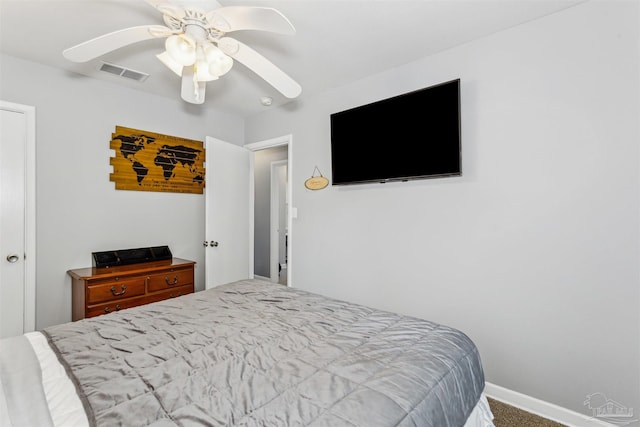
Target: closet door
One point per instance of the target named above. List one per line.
(17, 221)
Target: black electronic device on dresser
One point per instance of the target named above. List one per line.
(130, 256)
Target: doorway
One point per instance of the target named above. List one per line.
(272, 210)
(270, 214)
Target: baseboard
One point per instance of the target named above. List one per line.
(542, 408)
(255, 276)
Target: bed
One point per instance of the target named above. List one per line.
(248, 353)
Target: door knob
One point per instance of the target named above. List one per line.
(12, 258)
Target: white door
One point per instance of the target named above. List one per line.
(17, 270)
(227, 205)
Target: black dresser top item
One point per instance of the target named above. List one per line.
(130, 256)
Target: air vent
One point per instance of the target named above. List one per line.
(123, 72)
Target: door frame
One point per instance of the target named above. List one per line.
(262, 145)
(29, 313)
(274, 223)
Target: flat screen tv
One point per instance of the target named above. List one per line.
(415, 135)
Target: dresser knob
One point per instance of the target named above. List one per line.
(107, 310)
(117, 307)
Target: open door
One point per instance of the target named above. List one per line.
(228, 222)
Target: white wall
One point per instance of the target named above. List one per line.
(534, 251)
(78, 209)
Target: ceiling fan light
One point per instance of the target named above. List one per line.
(182, 49)
(221, 65)
(211, 52)
(167, 60)
(202, 72)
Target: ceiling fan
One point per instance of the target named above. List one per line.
(197, 47)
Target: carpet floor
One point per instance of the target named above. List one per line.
(509, 416)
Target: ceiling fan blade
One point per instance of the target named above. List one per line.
(192, 91)
(261, 66)
(166, 8)
(235, 18)
(211, 4)
(94, 48)
(156, 3)
(200, 4)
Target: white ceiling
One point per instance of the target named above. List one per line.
(337, 42)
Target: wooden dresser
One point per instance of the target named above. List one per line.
(97, 291)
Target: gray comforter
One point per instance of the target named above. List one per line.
(257, 354)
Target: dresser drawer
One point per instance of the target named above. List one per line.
(115, 289)
(169, 280)
(173, 293)
(106, 308)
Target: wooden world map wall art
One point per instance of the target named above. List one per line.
(148, 161)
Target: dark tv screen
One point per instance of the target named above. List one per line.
(411, 136)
